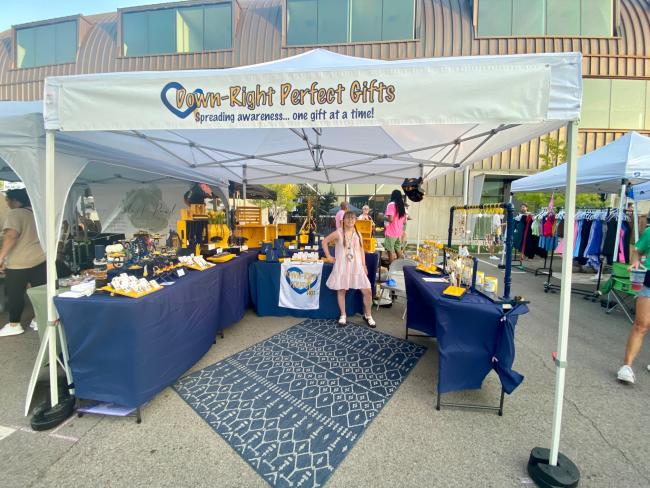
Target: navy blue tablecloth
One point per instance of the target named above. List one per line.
(264, 283)
(474, 334)
(126, 350)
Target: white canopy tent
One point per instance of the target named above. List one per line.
(22, 148)
(610, 169)
(323, 117)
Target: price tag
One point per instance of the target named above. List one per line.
(181, 272)
(244, 248)
(219, 250)
(292, 247)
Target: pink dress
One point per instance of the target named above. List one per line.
(348, 274)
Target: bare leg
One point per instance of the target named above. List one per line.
(340, 296)
(367, 302)
(391, 256)
(639, 328)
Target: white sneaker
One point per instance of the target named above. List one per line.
(10, 330)
(648, 367)
(626, 374)
(496, 258)
(33, 325)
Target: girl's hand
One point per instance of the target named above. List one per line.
(330, 259)
(634, 266)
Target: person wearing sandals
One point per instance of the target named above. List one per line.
(350, 272)
(641, 324)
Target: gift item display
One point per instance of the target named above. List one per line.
(461, 269)
(305, 257)
(132, 287)
(198, 227)
(308, 230)
(499, 215)
(427, 257)
(195, 262)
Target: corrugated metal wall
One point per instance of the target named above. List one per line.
(445, 28)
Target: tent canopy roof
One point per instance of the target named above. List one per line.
(600, 171)
(440, 118)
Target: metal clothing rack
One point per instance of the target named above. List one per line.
(588, 295)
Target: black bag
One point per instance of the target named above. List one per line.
(413, 189)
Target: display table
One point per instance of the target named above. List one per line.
(474, 335)
(126, 350)
(264, 282)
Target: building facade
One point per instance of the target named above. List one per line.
(613, 36)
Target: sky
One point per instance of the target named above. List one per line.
(14, 12)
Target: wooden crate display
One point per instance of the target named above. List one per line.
(286, 229)
(364, 227)
(254, 233)
(249, 215)
(271, 233)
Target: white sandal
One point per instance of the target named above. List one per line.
(370, 321)
(342, 321)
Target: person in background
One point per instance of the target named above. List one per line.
(21, 257)
(404, 238)
(350, 271)
(339, 215)
(395, 215)
(365, 215)
(523, 209)
(641, 323)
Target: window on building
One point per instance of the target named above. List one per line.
(341, 21)
(177, 30)
(615, 104)
(493, 191)
(576, 18)
(46, 44)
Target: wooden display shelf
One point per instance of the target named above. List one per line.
(249, 215)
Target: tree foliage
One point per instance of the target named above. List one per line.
(556, 154)
(285, 199)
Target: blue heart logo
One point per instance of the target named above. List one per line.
(175, 85)
(295, 270)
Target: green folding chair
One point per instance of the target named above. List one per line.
(619, 291)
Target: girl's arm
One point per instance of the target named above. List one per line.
(326, 242)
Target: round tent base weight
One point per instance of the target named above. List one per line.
(565, 475)
(46, 417)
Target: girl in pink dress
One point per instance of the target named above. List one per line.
(350, 270)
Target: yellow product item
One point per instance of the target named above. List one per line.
(454, 291)
(491, 284)
(223, 258)
(130, 294)
(303, 238)
(480, 278)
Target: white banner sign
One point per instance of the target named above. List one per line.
(405, 95)
(300, 285)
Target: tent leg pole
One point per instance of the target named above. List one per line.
(619, 223)
(636, 221)
(540, 456)
(419, 221)
(466, 185)
(50, 252)
(244, 182)
(417, 252)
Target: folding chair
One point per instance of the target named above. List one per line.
(396, 273)
(619, 291)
